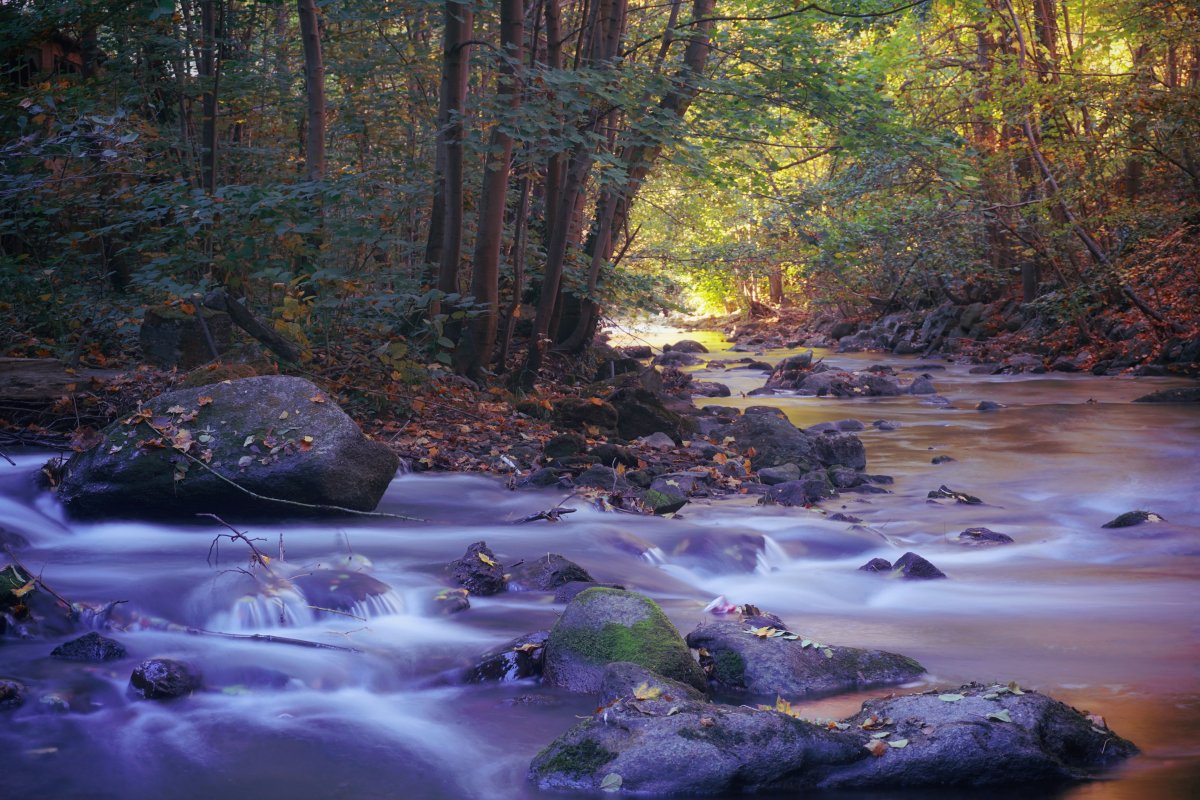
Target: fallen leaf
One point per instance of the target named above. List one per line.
(116, 448)
(950, 698)
(596, 401)
(24, 590)
(611, 782)
(707, 722)
(204, 400)
(647, 692)
(1000, 716)
(249, 441)
(486, 559)
(320, 398)
(176, 410)
(876, 748)
(881, 735)
(898, 743)
(1014, 688)
(283, 415)
(528, 647)
(245, 461)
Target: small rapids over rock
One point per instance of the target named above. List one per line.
(336, 670)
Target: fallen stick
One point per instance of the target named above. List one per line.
(267, 637)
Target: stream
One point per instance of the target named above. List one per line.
(1105, 620)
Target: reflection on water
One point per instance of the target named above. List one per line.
(1104, 619)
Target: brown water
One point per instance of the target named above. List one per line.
(1106, 620)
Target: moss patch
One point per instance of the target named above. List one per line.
(729, 668)
(574, 760)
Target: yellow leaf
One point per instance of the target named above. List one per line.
(317, 398)
(596, 401)
(647, 692)
(204, 400)
(283, 415)
(491, 562)
(24, 590)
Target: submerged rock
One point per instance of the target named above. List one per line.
(946, 493)
(276, 436)
(513, 661)
(768, 661)
(981, 537)
(1131, 518)
(601, 626)
(1180, 394)
(164, 679)
(12, 694)
(685, 346)
(339, 590)
(909, 567)
(478, 571)
(91, 647)
(545, 574)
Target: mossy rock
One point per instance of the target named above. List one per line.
(601, 626)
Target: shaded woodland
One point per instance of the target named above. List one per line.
(400, 187)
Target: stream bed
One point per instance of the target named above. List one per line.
(1104, 619)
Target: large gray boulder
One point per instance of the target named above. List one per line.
(645, 744)
(775, 440)
(601, 626)
(738, 659)
(276, 436)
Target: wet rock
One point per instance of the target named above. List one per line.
(568, 591)
(513, 661)
(922, 385)
(709, 389)
(451, 601)
(801, 492)
(748, 363)
(775, 441)
(982, 537)
(578, 414)
(840, 517)
(838, 383)
(721, 551)
(773, 411)
(545, 574)
(601, 626)
(612, 454)
(12, 694)
(685, 346)
(941, 460)
(885, 425)
(1021, 362)
(791, 372)
(564, 445)
(780, 665)
(637, 351)
(641, 413)
(989, 405)
(479, 571)
(601, 477)
(164, 679)
(532, 408)
(912, 567)
(991, 737)
(849, 425)
(677, 359)
(624, 680)
(845, 478)
(540, 478)
(687, 749)
(658, 441)
(609, 368)
(340, 590)
(1180, 394)
(91, 647)
(880, 565)
(773, 476)
(945, 492)
(276, 436)
(1131, 518)
(841, 449)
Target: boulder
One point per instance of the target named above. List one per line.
(685, 346)
(989, 405)
(513, 661)
(775, 441)
(345, 590)
(677, 359)
(612, 454)
(991, 737)
(164, 679)
(876, 565)
(579, 414)
(773, 476)
(709, 389)
(91, 647)
(946, 493)
(569, 591)
(791, 372)
(841, 449)
(770, 661)
(545, 574)
(601, 626)
(478, 571)
(637, 351)
(276, 436)
(640, 412)
(922, 385)
(912, 567)
(838, 383)
(564, 445)
(624, 680)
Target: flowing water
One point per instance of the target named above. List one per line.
(1106, 620)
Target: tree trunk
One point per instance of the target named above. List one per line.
(314, 83)
(475, 347)
(208, 78)
(455, 72)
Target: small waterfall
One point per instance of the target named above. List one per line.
(771, 558)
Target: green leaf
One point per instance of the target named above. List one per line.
(898, 743)
(1000, 716)
(611, 782)
(950, 698)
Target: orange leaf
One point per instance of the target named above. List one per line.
(204, 400)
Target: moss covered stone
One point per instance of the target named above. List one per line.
(574, 760)
(601, 626)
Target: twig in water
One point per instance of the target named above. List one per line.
(266, 637)
(38, 579)
(257, 555)
(335, 611)
(6, 458)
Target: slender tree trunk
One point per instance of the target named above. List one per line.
(476, 346)
(455, 72)
(208, 77)
(314, 84)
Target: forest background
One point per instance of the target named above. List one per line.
(405, 189)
